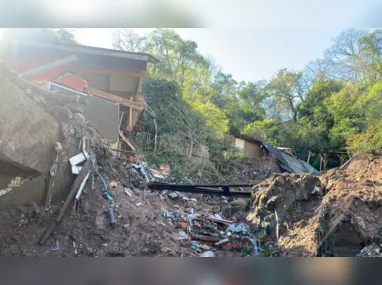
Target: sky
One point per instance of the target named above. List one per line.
(249, 54)
(250, 39)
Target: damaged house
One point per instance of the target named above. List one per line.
(109, 81)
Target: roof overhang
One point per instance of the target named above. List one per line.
(81, 49)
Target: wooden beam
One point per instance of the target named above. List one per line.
(139, 89)
(127, 73)
(133, 118)
(126, 140)
(114, 98)
(48, 66)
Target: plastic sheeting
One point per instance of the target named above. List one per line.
(289, 163)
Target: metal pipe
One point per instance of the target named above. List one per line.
(205, 185)
(200, 190)
(82, 186)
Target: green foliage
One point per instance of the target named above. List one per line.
(286, 87)
(342, 106)
(328, 106)
(262, 130)
(187, 141)
(215, 119)
(369, 141)
(302, 136)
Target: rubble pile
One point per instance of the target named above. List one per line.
(338, 214)
(146, 223)
(281, 201)
(108, 210)
(252, 170)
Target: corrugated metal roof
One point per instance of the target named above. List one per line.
(289, 163)
(94, 50)
(249, 139)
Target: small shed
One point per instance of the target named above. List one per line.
(251, 147)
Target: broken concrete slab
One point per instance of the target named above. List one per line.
(27, 132)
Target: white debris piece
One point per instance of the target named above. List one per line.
(76, 169)
(77, 159)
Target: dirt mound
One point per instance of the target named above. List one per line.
(278, 194)
(366, 169)
(345, 220)
(252, 170)
(293, 198)
(350, 217)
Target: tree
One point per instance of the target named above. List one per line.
(262, 130)
(314, 100)
(215, 119)
(346, 118)
(371, 56)
(125, 39)
(286, 88)
(176, 55)
(343, 57)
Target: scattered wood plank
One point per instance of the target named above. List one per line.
(127, 73)
(126, 140)
(346, 163)
(73, 190)
(205, 238)
(116, 99)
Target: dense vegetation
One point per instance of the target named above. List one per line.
(333, 104)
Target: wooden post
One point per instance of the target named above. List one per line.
(73, 190)
(308, 158)
(130, 125)
(50, 184)
(325, 161)
(139, 89)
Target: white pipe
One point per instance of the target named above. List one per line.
(82, 186)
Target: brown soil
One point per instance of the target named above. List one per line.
(366, 168)
(142, 229)
(252, 170)
(346, 219)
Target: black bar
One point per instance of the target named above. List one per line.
(207, 185)
(201, 190)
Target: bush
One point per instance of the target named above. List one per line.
(188, 139)
(369, 141)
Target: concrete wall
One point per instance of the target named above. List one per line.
(251, 150)
(31, 191)
(34, 190)
(27, 132)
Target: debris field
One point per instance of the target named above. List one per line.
(109, 210)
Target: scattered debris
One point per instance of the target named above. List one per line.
(370, 251)
(112, 218)
(55, 247)
(207, 254)
(128, 192)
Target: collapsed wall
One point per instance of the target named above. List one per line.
(27, 132)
